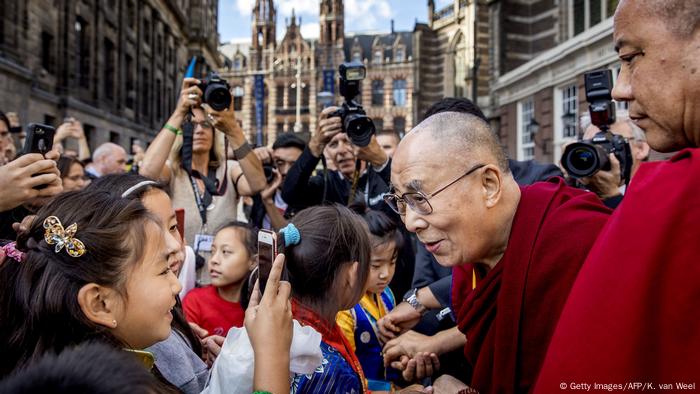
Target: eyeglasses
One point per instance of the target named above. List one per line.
(418, 201)
(203, 124)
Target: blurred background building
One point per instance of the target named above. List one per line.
(116, 65)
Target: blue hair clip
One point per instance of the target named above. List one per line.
(291, 235)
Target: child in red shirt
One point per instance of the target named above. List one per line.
(218, 307)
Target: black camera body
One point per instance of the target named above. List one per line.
(358, 126)
(585, 158)
(216, 92)
(268, 170)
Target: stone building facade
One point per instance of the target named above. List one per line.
(544, 48)
(298, 74)
(454, 53)
(116, 65)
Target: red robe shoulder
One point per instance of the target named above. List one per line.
(633, 313)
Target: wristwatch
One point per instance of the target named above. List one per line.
(412, 299)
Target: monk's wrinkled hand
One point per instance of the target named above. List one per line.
(409, 343)
(421, 366)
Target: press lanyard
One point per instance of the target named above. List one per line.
(200, 203)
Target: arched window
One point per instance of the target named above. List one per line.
(399, 55)
(357, 56)
(399, 93)
(377, 93)
(377, 55)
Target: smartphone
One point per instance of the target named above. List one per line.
(39, 139)
(267, 251)
(180, 217)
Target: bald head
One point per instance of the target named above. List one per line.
(682, 17)
(463, 135)
(109, 158)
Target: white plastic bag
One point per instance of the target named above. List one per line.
(233, 369)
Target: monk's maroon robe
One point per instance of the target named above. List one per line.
(634, 312)
(509, 317)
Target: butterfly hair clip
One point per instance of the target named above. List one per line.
(55, 234)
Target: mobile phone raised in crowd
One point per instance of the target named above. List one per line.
(39, 139)
(267, 251)
(180, 217)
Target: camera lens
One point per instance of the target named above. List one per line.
(582, 159)
(359, 129)
(217, 96)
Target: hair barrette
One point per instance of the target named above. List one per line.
(291, 235)
(55, 234)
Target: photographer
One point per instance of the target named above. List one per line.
(609, 185)
(201, 181)
(302, 190)
(269, 206)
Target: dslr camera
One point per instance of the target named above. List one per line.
(358, 126)
(216, 91)
(586, 157)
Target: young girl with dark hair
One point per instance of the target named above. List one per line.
(328, 264)
(92, 267)
(218, 307)
(179, 357)
(359, 324)
(106, 278)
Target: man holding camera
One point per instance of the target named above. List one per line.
(632, 314)
(268, 206)
(609, 184)
(302, 190)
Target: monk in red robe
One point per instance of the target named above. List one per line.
(516, 251)
(632, 315)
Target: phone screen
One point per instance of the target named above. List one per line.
(266, 255)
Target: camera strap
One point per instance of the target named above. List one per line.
(212, 186)
(355, 180)
(325, 179)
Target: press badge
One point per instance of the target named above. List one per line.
(202, 242)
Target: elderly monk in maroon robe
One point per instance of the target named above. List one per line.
(634, 312)
(516, 251)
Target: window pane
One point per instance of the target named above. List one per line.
(527, 142)
(579, 16)
(595, 9)
(399, 92)
(377, 57)
(378, 92)
(569, 111)
(399, 125)
(378, 124)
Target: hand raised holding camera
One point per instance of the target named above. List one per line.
(328, 127)
(373, 153)
(226, 122)
(20, 178)
(190, 96)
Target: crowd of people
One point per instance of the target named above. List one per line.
(423, 263)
